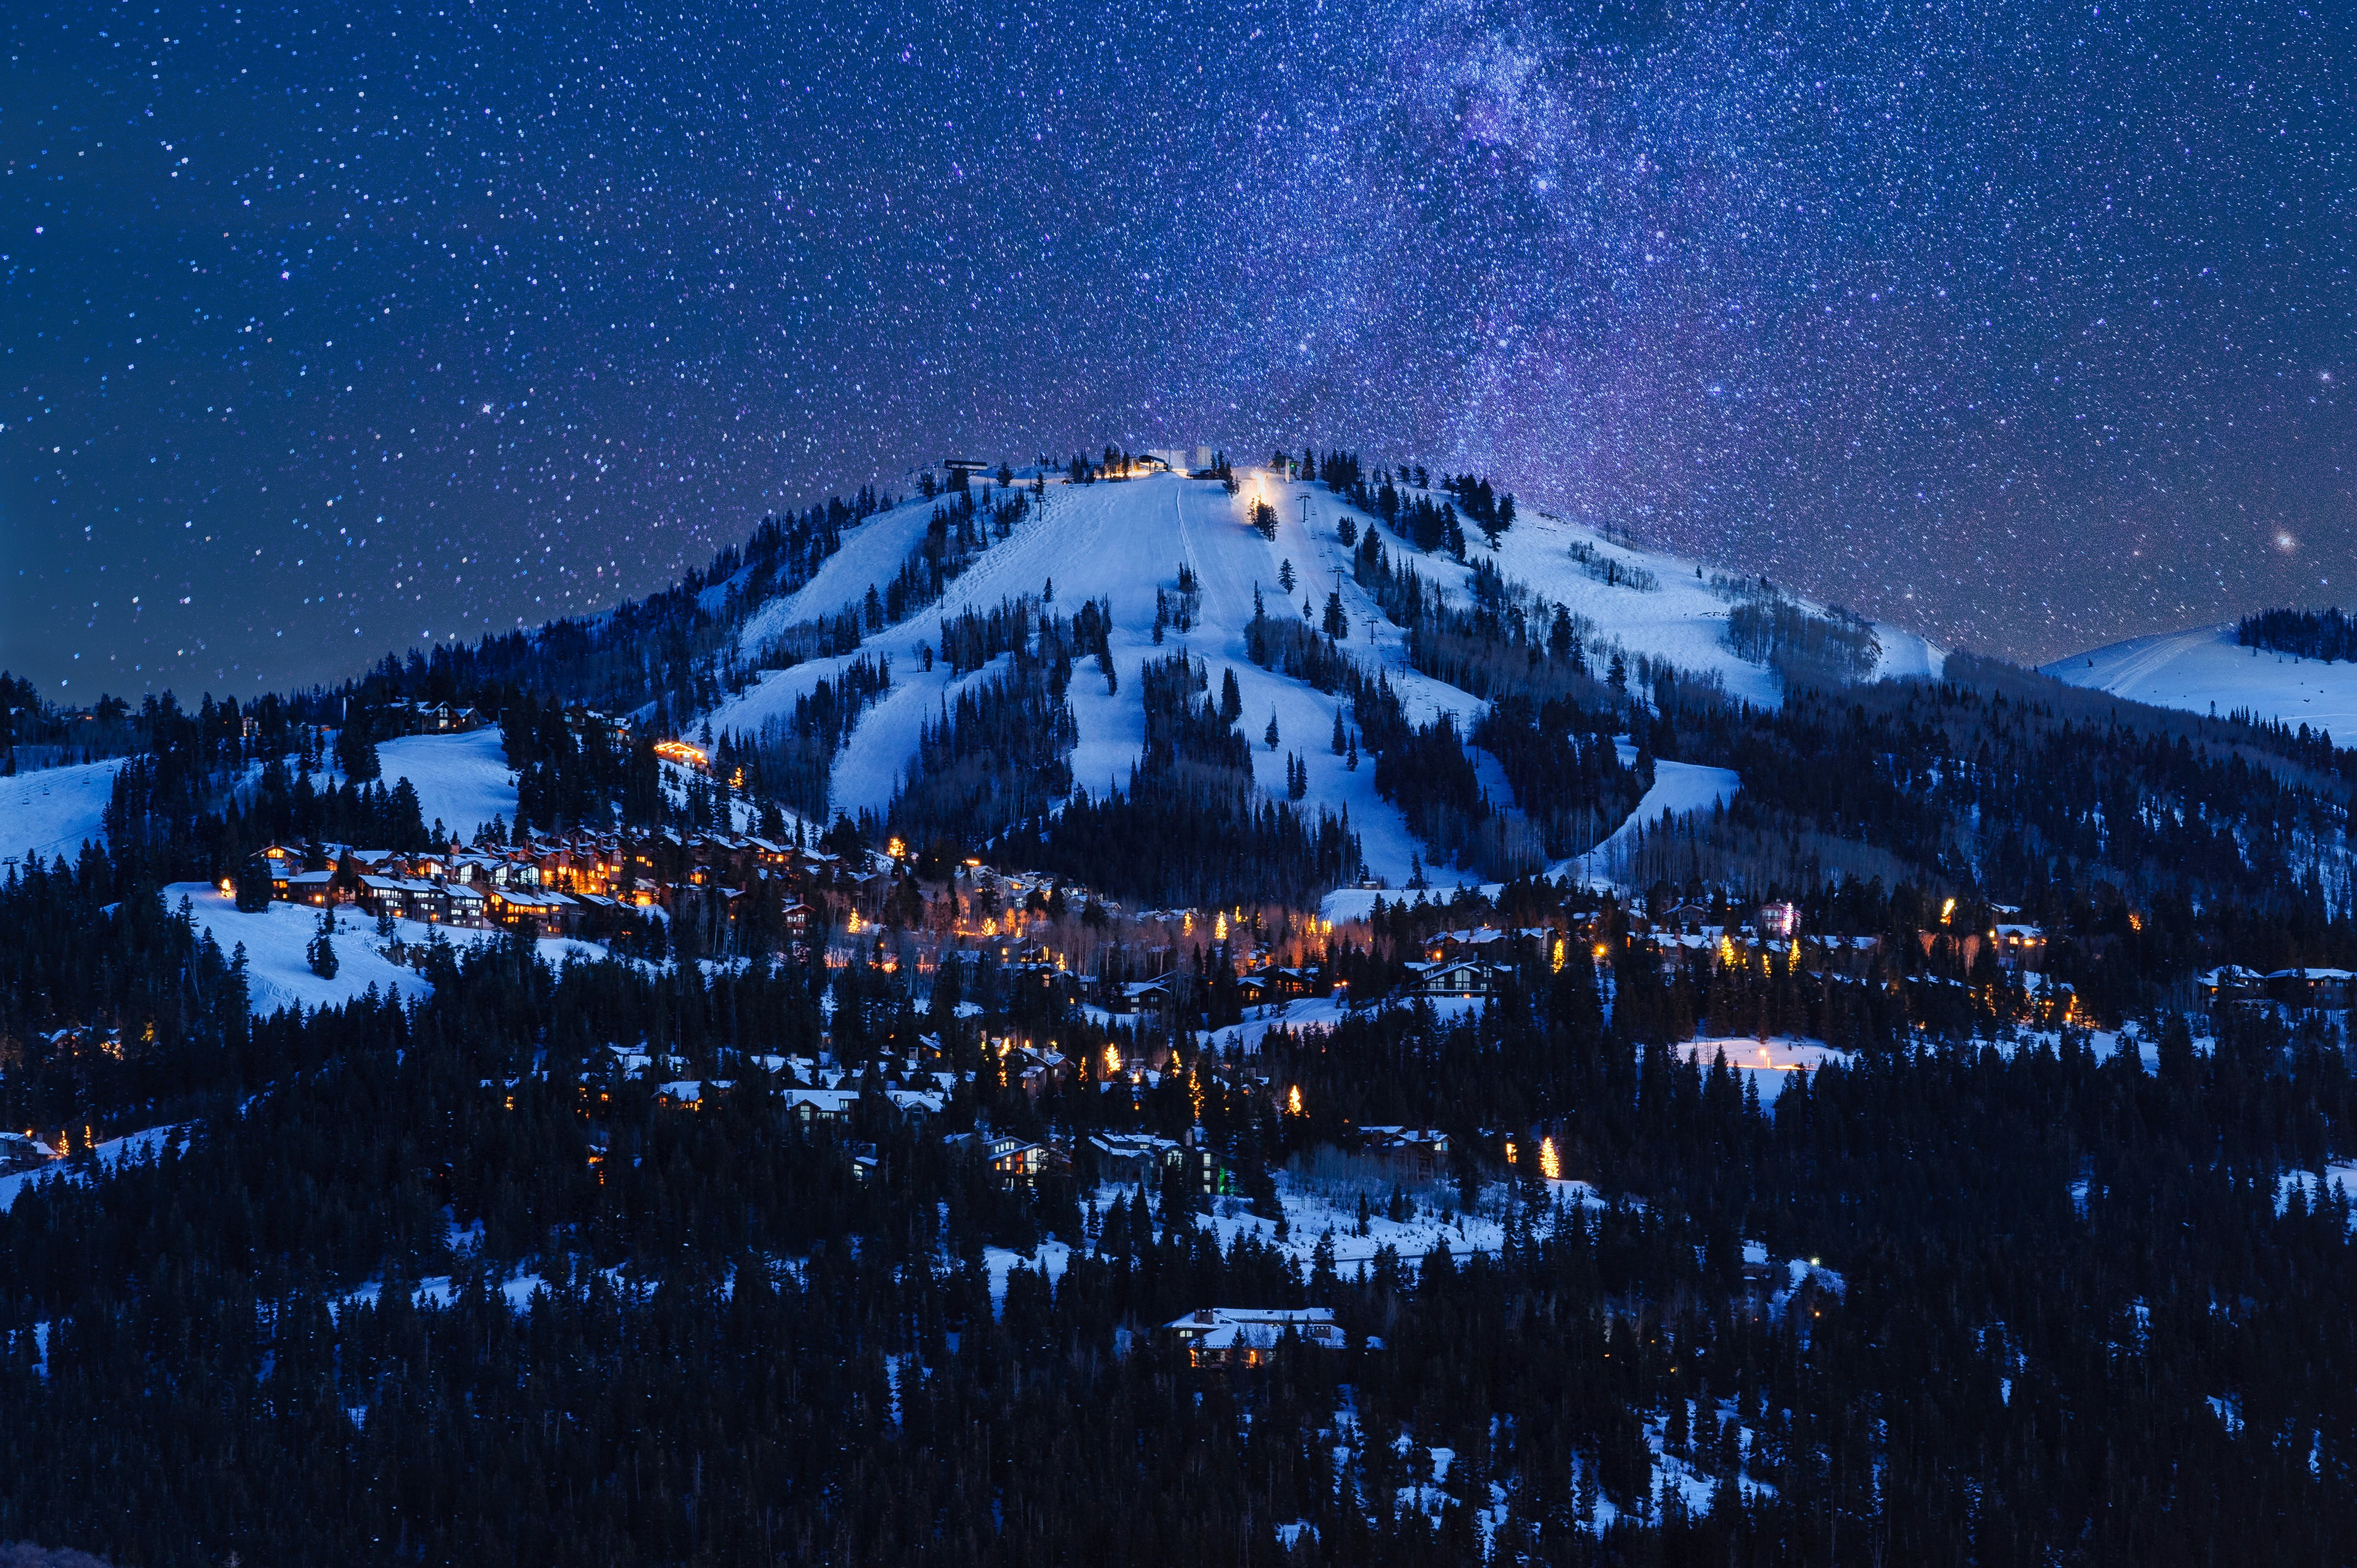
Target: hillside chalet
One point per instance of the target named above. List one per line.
(1219, 1337)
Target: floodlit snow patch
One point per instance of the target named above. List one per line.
(1770, 1063)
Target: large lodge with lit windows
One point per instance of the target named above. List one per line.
(575, 884)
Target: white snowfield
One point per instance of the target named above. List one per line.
(1678, 788)
(277, 943)
(462, 779)
(2205, 671)
(1122, 541)
(53, 811)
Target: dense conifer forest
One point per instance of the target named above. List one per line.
(729, 1347)
(2310, 634)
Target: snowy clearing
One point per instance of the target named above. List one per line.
(277, 939)
(1678, 788)
(1769, 1063)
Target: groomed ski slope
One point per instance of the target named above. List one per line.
(2204, 670)
(1122, 541)
(53, 811)
(462, 780)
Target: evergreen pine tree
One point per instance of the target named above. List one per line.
(321, 952)
(1338, 622)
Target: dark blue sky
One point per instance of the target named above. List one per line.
(325, 328)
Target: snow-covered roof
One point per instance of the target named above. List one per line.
(1256, 1327)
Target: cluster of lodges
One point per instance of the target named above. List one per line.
(1466, 962)
(426, 717)
(2318, 989)
(579, 883)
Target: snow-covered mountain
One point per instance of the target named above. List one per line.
(1122, 542)
(2205, 671)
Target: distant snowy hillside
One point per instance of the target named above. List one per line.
(462, 780)
(278, 942)
(1123, 541)
(1662, 605)
(2204, 670)
(50, 813)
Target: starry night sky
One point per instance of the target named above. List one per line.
(328, 329)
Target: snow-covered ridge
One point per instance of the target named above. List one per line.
(2205, 671)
